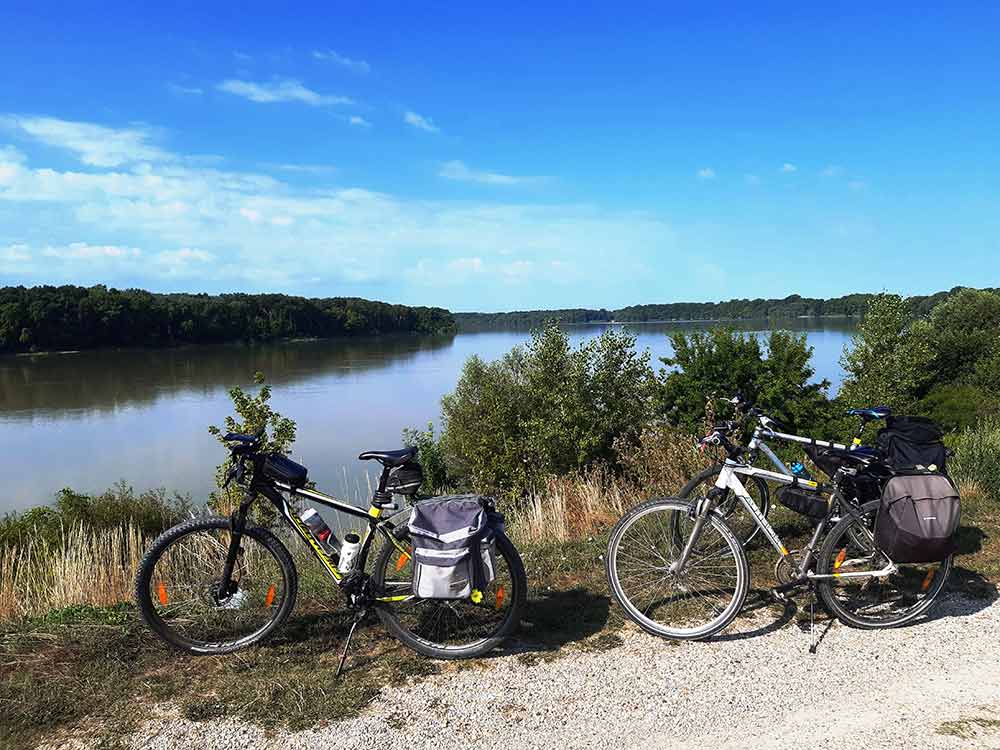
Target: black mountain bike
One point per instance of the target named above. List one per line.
(216, 585)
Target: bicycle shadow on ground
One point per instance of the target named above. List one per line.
(759, 602)
(554, 619)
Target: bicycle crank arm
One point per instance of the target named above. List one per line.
(885, 572)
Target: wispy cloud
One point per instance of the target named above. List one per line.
(358, 66)
(833, 170)
(281, 90)
(751, 179)
(420, 122)
(95, 145)
(84, 251)
(706, 173)
(359, 121)
(185, 90)
(788, 168)
(457, 170)
(857, 185)
(317, 169)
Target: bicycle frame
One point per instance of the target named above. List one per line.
(273, 490)
(729, 479)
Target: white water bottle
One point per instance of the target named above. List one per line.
(349, 552)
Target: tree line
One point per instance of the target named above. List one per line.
(46, 318)
(792, 306)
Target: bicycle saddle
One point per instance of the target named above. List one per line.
(390, 458)
(874, 412)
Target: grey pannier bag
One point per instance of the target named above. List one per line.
(918, 517)
(454, 546)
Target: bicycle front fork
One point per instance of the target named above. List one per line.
(237, 522)
(701, 511)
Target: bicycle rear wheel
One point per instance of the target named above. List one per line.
(177, 587)
(449, 629)
(873, 602)
(690, 603)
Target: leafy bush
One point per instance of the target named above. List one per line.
(977, 456)
(431, 458)
(253, 412)
(151, 512)
(721, 363)
(544, 409)
(956, 406)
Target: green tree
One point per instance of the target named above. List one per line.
(721, 363)
(891, 358)
(966, 330)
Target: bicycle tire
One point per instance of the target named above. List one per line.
(677, 506)
(426, 647)
(825, 564)
(150, 615)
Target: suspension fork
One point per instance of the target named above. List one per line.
(237, 522)
(704, 508)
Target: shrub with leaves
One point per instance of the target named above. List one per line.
(545, 408)
(430, 457)
(977, 457)
(253, 412)
(721, 363)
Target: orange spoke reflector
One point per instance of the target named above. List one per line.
(161, 593)
(269, 599)
(840, 559)
(500, 595)
(927, 580)
(402, 560)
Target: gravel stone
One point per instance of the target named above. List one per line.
(932, 685)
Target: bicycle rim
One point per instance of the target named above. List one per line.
(456, 625)
(182, 590)
(875, 602)
(694, 602)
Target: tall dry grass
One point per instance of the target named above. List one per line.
(84, 567)
(579, 504)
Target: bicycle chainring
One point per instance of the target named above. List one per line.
(784, 571)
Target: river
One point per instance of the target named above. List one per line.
(86, 420)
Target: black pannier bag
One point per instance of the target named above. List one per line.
(912, 442)
(283, 469)
(807, 503)
(406, 479)
(918, 518)
(454, 546)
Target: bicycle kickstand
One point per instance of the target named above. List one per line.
(812, 627)
(358, 617)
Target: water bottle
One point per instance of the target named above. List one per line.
(799, 470)
(324, 537)
(348, 552)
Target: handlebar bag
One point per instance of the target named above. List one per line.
(918, 518)
(283, 469)
(454, 546)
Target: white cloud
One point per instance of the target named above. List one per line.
(315, 169)
(281, 90)
(857, 185)
(787, 168)
(84, 251)
(246, 230)
(358, 66)
(420, 122)
(833, 170)
(706, 173)
(185, 90)
(752, 179)
(94, 145)
(359, 121)
(457, 170)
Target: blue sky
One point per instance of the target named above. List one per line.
(501, 157)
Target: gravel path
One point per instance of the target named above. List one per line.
(936, 685)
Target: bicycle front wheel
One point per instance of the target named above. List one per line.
(453, 628)
(685, 603)
(178, 582)
(873, 601)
